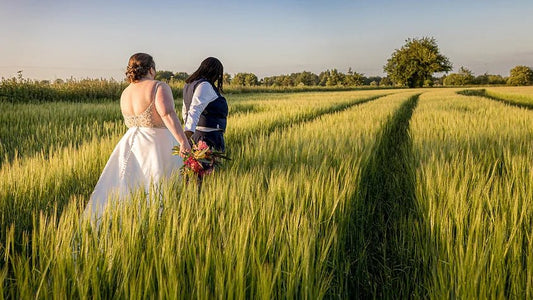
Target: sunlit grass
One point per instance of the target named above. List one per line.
(524, 91)
(328, 195)
(30, 129)
(516, 96)
(269, 224)
(475, 186)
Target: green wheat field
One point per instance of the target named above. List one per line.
(395, 193)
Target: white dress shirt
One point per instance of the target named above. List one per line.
(203, 95)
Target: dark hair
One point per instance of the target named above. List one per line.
(138, 66)
(210, 69)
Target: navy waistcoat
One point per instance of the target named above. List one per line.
(215, 115)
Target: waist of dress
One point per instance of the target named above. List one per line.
(147, 128)
(140, 121)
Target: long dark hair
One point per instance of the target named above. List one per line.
(210, 69)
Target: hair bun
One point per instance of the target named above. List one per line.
(138, 66)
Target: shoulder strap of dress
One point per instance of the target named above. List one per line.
(155, 90)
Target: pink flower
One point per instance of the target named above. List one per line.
(201, 145)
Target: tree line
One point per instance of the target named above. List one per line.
(329, 78)
(519, 75)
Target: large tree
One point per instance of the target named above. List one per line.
(520, 75)
(414, 64)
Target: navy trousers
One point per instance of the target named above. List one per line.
(213, 139)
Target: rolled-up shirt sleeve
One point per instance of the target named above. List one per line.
(203, 95)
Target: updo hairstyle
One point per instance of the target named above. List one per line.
(138, 66)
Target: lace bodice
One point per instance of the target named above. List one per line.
(146, 118)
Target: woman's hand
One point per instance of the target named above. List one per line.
(184, 149)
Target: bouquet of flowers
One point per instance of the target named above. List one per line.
(200, 161)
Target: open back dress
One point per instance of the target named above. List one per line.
(141, 159)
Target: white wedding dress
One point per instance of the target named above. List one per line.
(141, 159)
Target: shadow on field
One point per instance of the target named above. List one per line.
(385, 258)
(483, 93)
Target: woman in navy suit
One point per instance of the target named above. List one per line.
(205, 110)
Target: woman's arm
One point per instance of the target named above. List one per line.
(164, 104)
(203, 95)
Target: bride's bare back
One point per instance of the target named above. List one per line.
(138, 107)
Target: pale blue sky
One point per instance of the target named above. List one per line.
(59, 39)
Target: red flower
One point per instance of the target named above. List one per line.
(200, 161)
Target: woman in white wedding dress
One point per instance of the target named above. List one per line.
(144, 154)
